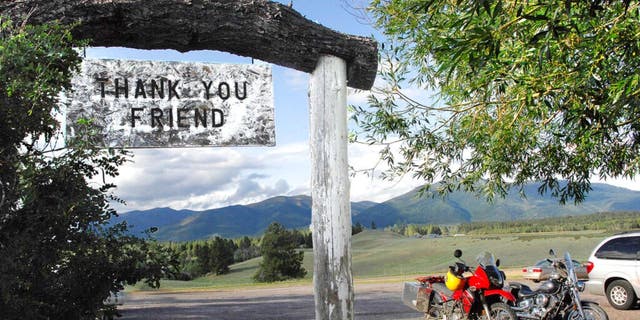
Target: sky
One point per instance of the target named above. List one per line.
(212, 177)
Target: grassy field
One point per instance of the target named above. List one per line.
(385, 256)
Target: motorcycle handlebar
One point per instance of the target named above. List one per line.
(459, 268)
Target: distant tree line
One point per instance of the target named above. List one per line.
(606, 221)
(417, 229)
(201, 257)
(215, 256)
(359, 227)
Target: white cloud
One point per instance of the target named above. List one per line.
(250, 191)
(204, 178)
(367, 183)
(631, 184)
(166, 174)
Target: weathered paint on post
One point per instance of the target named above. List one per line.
(331, 212)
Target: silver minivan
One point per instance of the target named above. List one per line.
(614, 270)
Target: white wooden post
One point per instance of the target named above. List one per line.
(331, 210)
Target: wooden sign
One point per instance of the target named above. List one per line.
(140, 104)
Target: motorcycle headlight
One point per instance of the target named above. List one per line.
(580, 286)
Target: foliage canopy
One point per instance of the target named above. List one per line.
(59, 257)
(527, 90)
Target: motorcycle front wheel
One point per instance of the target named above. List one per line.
(591, 311)
(501, 311)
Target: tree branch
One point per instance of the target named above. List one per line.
(261, 29)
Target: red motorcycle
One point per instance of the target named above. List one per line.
(480, 295)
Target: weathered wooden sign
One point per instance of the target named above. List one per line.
(173, 104)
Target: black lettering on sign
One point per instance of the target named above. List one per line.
(218, 121)
(134, 116)
(172, 90)
(207, 87)
(156, 115)
(223, 91)
(181, 117)
(124, 88)
(200, 117)
(244, 94)
(102, 81)
(186, 117)
(140, 89)
(159, 89)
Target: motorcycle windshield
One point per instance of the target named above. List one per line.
(486, 259)
(571, 272)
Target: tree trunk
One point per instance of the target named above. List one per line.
(260, 29)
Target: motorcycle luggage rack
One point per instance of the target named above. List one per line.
(431, 279)
(418, 295)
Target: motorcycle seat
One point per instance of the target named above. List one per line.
(523, 290)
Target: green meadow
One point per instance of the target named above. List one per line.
(386, 256)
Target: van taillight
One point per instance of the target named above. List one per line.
(589, 266)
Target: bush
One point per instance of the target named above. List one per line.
(59, 258)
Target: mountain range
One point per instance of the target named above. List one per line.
(295, 212)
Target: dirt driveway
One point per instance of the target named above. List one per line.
(373, 302)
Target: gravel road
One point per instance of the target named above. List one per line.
(373, 302)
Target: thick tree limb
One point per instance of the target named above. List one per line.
(260, 29)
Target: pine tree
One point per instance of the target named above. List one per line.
(280, 259)
(221, 255)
